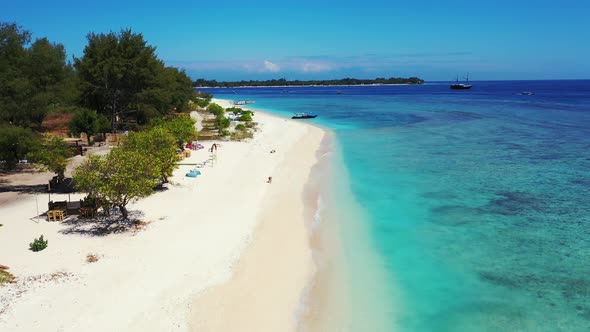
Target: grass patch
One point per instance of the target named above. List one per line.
(5, 276)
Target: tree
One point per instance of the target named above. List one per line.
(114, 69)
(15, 144)
(121, 76)
(159, 144)
(53, 155)
(182, 127)
(89, 122)
(123, 176)
(33, 80)
(170, 92)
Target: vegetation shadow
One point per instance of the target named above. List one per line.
(23, 188)
(103, 225)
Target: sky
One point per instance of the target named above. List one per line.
(243, 40)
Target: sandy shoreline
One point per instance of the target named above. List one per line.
(226, 248)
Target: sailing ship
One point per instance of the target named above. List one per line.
(461, 86)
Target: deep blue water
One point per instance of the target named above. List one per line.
(477, 202)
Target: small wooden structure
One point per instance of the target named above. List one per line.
(56, 215)
(59, 210)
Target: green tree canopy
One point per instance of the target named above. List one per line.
(15, 144)
(33, 79)
(122, 176)
(89, 122)
(215, 109)
(121, 75)
(182, 127)
(52, 155)
(159, 144)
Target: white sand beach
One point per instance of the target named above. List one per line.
(224, 252)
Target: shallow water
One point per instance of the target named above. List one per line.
(475, 202)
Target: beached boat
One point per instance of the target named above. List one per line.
(304, 116)
(244, 102)
(461, 86)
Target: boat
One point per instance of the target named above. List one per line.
(527, 93)
(244, 102)
(461, 86)
(339, 92)
(304, 116)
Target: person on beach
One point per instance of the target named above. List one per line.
(269, 179)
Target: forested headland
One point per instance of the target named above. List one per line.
(284, 82)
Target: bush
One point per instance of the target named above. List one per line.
(15, 144)
(240, 127)
(234, 110)
(201, 102)
(5, 276)
(215, 109)
(38, 244)
(223, 122)
(84, 121)
(246, 117)
(241, 135)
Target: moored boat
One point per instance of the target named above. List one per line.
(461, 86)
(304, 115)
(244, 102)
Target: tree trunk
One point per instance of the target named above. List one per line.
(124, 212)
(60, 175)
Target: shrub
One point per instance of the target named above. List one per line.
(38, 244)
(241, 135)
(240, 127)
(201, 102)
(5, 276)
(223, 122)
(15, 144)
(215, 109)
(246, 117)
(87, 121)
(234, 110)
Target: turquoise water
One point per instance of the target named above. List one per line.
(477, 202)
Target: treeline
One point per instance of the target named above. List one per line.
(117, 84)
(284, 82)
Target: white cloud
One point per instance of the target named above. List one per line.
(316, 67)
(271, 67)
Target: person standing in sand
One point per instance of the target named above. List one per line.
(269, 179)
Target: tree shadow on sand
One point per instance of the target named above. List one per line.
(23, 188)
(103, 225)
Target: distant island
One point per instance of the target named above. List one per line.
(284, 82)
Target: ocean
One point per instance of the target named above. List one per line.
(474, 205)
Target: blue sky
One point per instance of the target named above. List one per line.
(435, 40)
